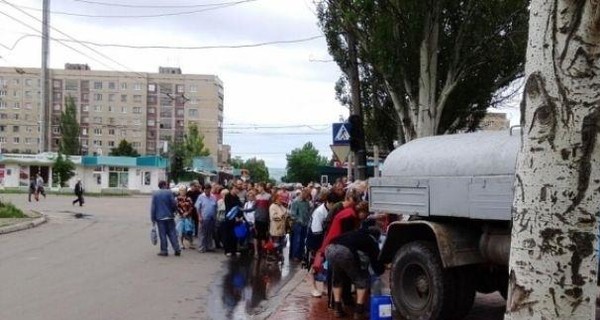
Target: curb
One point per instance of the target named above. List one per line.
(24, 225)
(282, 295)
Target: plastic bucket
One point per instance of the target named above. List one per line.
(381, 307)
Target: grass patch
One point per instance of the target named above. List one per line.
(8, 210)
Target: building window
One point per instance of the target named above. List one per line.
(57, 96)
(137, 122)
(17, 105)
(137, 86)
(85, 108)
(2, 128)
(151, 123)
(3, 139)
(28, 129)
(28, 94)
(56, 84)
(84, 131)
(97, 108)
(85, 97)
(151, 110)
(118, 177)
(137, 98)
(97, 131)
(123, 109)
(28, 82)
(123, 85)
(194, 101)
(137, 110)
(56, 130)
(111, 132)
(15, 128)
(179, 88)
(98, 120)
(97, 96)
(111, 97)
(97, 85)
(123, 98)
(111, 143)
(193, 88)
(180, 112)
(56, 107)
(71, 85)
(123, 133)
(146, 178)
(2, 104)
(28, 105)
(3, 116)
(2, 93)
(136, 144)
(85, 120)
(111, 85)
(16, 140)
(151, 87)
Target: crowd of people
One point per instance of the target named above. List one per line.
(330, 230)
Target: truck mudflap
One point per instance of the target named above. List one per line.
(456, 245)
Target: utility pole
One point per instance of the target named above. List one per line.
(45, 94)
(360, 156)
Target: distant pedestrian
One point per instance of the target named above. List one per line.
(78, 193)
(206, 206)
(32, 189)
(193, 193)
(162, 214)
(300, 213)
(278, 214)
(39, 187)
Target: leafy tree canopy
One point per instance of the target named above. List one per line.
(69, 128)
(440, 62)
(62, 170)
(125, 149)
(302, 164)
(193, 145)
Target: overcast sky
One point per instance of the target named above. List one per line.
(277, 85)
(282, 85)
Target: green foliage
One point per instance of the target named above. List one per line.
(69, 128)
(258, 169)
(62, 170)
(476, 48)
(193, 146)
(8, 210)
(125, 149)
(178, 156)
(302, 164)
(236, 163)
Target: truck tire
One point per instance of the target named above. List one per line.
(464, 295)
(421, 288)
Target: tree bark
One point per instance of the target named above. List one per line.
(553, 261)
(428, 73)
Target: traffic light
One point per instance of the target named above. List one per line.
(356, 132)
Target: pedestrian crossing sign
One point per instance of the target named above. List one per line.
(341, 135)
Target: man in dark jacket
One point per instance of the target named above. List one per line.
(78, 193)
(229, 241)
(162, 214)
(349, 256)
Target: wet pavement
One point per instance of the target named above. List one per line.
(249, 286)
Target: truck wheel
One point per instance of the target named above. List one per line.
(421, 288)
(464, 295)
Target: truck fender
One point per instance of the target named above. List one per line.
(456, 245)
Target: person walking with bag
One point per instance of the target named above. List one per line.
(162, 214)
(78, 193)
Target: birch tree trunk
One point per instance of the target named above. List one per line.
(557, 190)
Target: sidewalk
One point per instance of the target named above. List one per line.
(8, 225)
(299, 305)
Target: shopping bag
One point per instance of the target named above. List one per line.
(232, 213)
(153, 235)
(241, 231)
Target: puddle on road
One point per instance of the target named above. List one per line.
(248, 285)
(78, 215)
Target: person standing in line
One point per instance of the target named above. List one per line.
(300, 213)
(193, 193)
(231, 200)
(261, 217)
(39, 184)
(278, 214)
(206, 206)
(78, 193)
(162, 214)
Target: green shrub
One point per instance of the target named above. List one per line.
(8, 210)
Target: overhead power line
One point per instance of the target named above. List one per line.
(68, 36)
(170, 14)
(126, 46)
(110, 4)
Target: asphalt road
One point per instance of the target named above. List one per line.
(101, 266)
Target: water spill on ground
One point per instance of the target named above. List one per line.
(247, 285)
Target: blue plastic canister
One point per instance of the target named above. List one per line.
(381, 307)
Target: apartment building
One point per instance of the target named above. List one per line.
(146, 109)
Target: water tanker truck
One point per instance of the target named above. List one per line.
(455, 193)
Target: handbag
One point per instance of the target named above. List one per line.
(232, 213)
(241, 231)
(153, 235)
